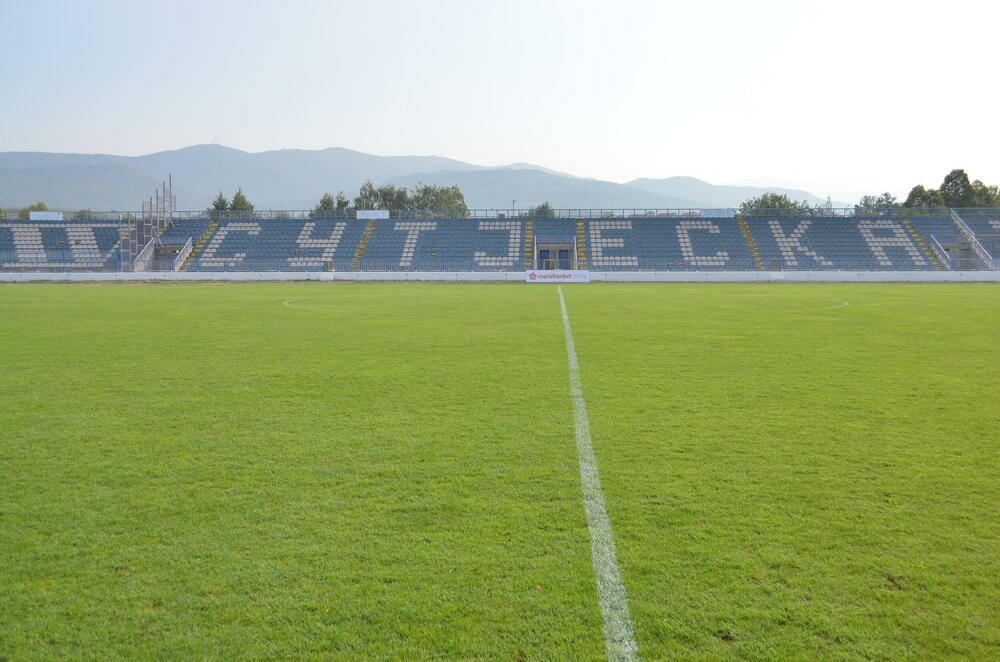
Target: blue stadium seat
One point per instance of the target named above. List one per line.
(409, 244)
(904, 241)
(61, 246)
(667, 244)
(839, 243)
(281, 245)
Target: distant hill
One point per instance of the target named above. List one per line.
(297, 178)
(712, 195)
(97, 186)
(498, 187)
(282, 179)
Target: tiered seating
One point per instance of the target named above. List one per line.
(554, 231)
(988, 233)
(445, 245)
(666, 244)
(985, 223)
(940, 226)
(692, 243)
(281, 245)
(868, 244)
(985, 219)
(941, 234)
(182, 229)
(172, 240)
(60, 246)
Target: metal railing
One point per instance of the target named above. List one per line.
(977, 247)
(141, 261)
(977, 212)
(524, 213)
(941, 253)
(570, 213)
(183, 254)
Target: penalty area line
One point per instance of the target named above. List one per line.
(619, 636)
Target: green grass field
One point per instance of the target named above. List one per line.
(388, 472)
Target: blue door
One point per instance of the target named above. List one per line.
(543, 259)
(563, 258)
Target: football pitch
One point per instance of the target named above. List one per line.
(394, 472)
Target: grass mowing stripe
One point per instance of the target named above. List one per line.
(618, 631)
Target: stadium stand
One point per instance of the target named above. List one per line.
(556, 239)
(60, 245)
(180, 230)
(888, 240)
(445, 245)
(985, 223)
(943, 239)
(171, 244)
(666, 244)
(280, 245)
(865, 244)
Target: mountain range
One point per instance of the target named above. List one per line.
(296, 179)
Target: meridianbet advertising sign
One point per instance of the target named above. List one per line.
(557, 276)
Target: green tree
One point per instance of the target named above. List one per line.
(923, 197)
(25, 213)
(985, 196)
(872, 205)
(84, 215)
(543, 210)
(326, 207)
(762, 205)
(382, 197)
(429, 196)
(368, 197)
(422, 196)
(956, 190)
(219, 205)
(240, 202)
(342, 202)
(392, 197)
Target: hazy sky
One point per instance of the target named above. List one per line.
(851, 96)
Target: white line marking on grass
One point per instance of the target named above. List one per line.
(291, 303)
(840, 303)
(619, 638)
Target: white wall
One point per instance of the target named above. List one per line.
(794, 276)
(519, 276)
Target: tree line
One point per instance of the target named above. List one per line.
(24, 213)
(955, 191)
(240, 202)
(370, 196)
(396, 198)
